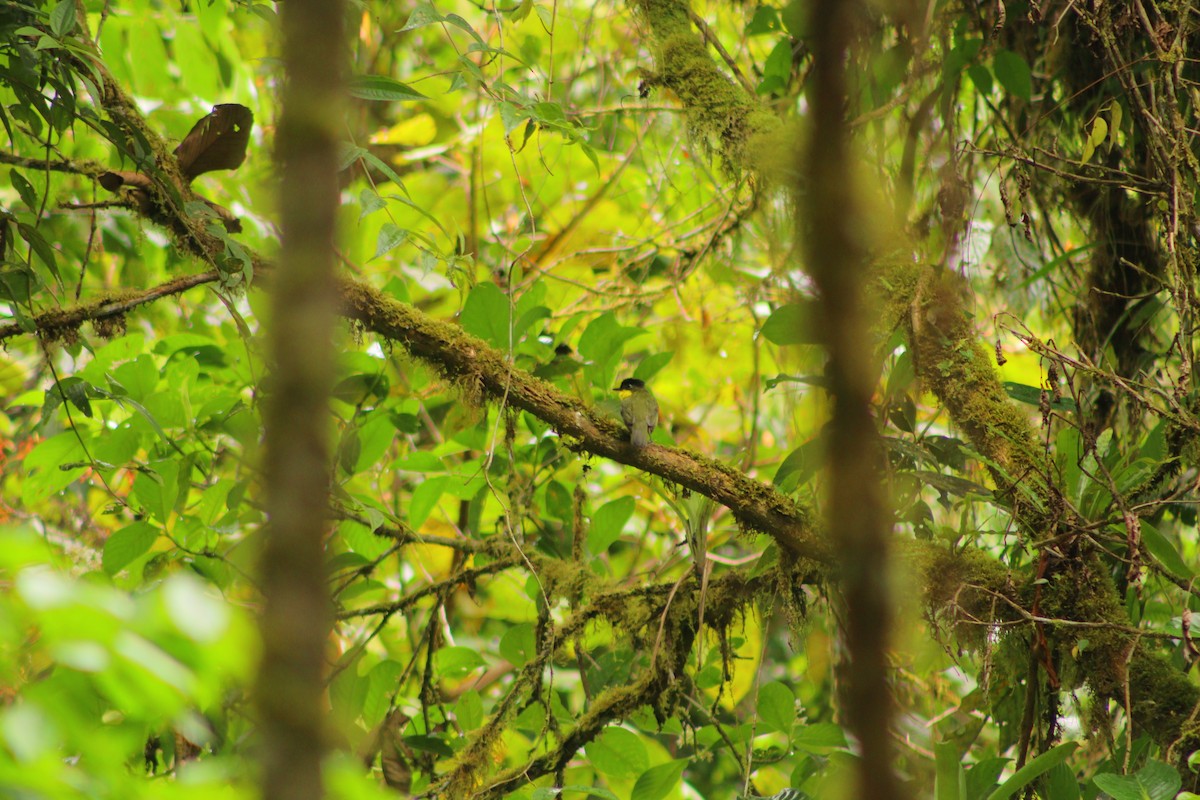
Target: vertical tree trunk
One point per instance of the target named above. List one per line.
(859, 520)
(296, 618)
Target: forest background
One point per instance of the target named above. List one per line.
(913, 283)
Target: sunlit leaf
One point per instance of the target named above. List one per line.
(657, 782)
(382, 88)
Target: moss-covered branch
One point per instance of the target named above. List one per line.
(1115, 663)
(483, 370)
(107, 310)
(717, 108)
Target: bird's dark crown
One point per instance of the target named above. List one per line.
(629, 384)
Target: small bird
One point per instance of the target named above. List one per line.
(639, 410)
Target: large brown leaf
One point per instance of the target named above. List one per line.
(218, 141)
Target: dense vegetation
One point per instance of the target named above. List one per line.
(914, 285)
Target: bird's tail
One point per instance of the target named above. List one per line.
(639, 436)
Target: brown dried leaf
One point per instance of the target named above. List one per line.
(218, 141)
(115, 180)
(232, 224)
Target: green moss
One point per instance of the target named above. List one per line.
(955, 367)
(895, 286)
(963, 589)
(718, 111)
(1114, 658)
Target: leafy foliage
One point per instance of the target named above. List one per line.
(540, 199)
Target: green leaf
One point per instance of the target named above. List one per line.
(362, 540)
(651, 365)
(519, 644)
(462, 24)
(25, 189)
(798, 467)
(981, 76)
(951, 484)
(982, 777)
(44, 473)
(777, 707)
(488, 315)
(374, 438)
(469, 710)
(1155, 781)
(521, 11)
(62, 18)
(423, 14)
(820, 734)
(391, 236)
(369, 200)
(777, 70)
(958, 58)
(40, 246)
(1154, 446)
(532, 719)
(790, 324)
(551, 793)
(1033, 396)
(127, 545)
(77, 392)
(457, 662)
(429, 744)
(1032, 770)
(381, 685)
(1164, 551)
(1096, 137)
(602, 343)
(424, 499)
(608, 522)
(604, 337)
(137, 378)
(657, 782)
(1060, 783)
(950, 781)
(618, 752)
(1013, 74)
(549, 114)
(765, 20)
(558, 501)
(157, 488)
(512, 116)
(820, 381)
(382, 88)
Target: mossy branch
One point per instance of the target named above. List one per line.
(464, 358)
(64, 322)
(717, 108)
(1116, 664)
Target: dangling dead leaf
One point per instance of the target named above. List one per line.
(218, 141)
(115, 180)
(185, 749)
(395, 757)
(137, 184)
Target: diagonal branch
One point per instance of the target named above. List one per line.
(52, 324)
(459, 356)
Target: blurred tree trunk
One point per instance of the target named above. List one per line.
(297, 616)
(859, 520)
